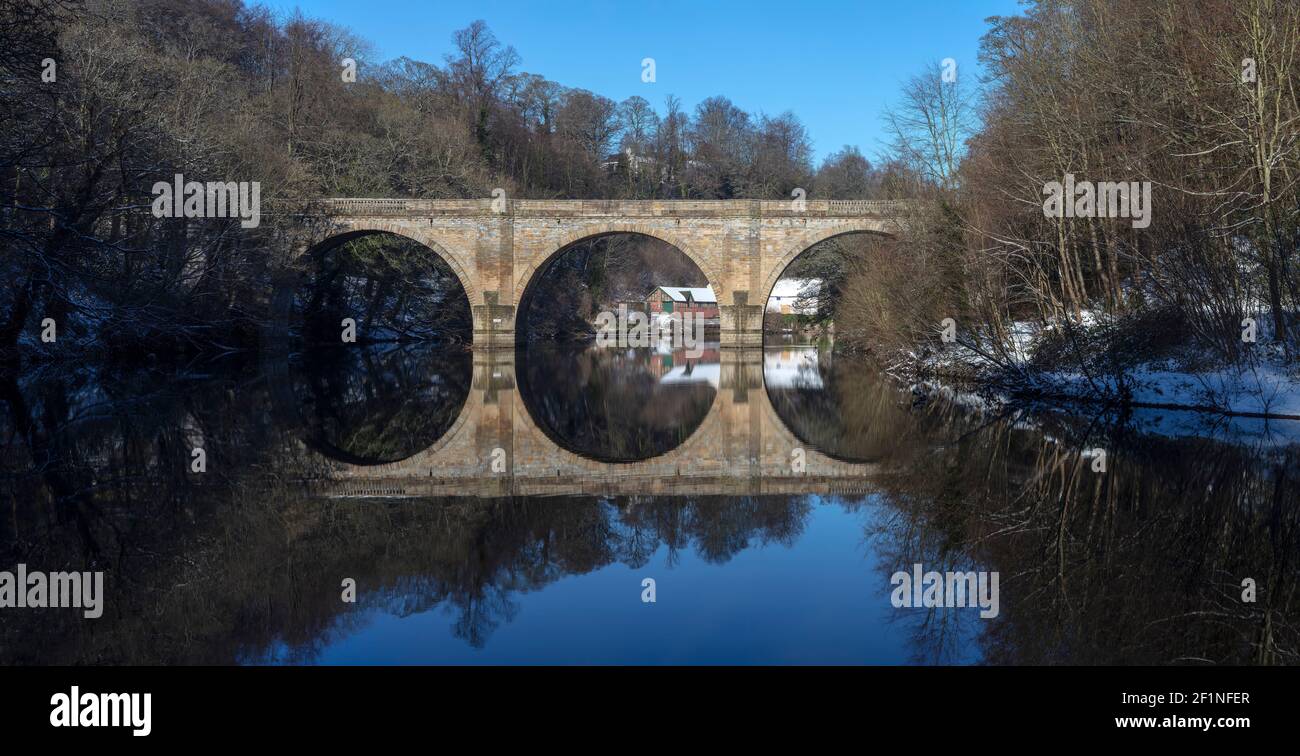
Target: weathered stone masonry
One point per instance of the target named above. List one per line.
(742, 246)
(741, 447)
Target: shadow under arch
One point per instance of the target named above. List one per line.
(812, 239)
(301, 269)
(591, 403)
(467, 282)
(532, 277)
(807, 410)
(824, 406)
(851, 411)
(370, 406)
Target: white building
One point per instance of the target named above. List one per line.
(787, 293)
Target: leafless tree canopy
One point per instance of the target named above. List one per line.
(220, 90)
(1198, 98)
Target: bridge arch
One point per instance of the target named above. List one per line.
(533, 270)
(813, 238)
(343, 231)
(459, 263)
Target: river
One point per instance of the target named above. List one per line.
(526, 508)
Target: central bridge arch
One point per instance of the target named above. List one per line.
(556, 245)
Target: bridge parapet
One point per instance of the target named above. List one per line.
(422, 208)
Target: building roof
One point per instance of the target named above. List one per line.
(794, 287)
(680, 293)
(794, 293)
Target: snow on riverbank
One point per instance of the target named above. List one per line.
(1241, 430)
(1256, 404)
(1264, 390)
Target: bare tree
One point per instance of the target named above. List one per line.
(930, 126)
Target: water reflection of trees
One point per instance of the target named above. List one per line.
(609, 404)
(846, 409)
(95, 475)
(1142, 564)
(95, 468)
(394, 288)
(476, 555)
(243, 562)
(376, 405)
(256, 575)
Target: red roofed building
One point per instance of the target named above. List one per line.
(683, 300)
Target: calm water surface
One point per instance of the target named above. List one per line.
(376, 464)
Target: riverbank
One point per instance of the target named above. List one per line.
(1173, 378)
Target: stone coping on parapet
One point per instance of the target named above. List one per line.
(420, 208)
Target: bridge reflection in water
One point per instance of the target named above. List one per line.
(243, 563)
(606, 422)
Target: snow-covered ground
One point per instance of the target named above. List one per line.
(1241, 430)
(1264, 390)
(1259, 402)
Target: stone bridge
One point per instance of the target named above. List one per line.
(742, 447)
(498, 247)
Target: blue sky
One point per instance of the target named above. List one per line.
(837, 64)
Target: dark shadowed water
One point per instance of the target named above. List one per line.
(509, 508)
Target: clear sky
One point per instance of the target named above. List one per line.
(836, 63)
